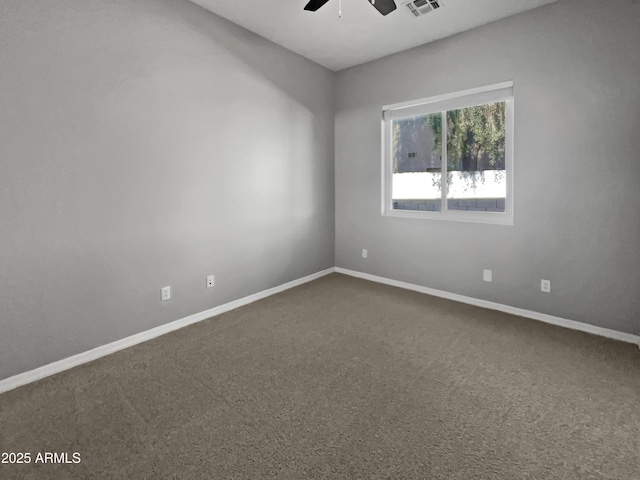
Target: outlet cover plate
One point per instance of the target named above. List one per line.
(165, 293)
(545, 285)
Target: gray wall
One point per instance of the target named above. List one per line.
(576, 69)
(149, 143)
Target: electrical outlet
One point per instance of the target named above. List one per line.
(364, 253)
(487, 275)
(545, 285)
(165, 293)
(211, 281)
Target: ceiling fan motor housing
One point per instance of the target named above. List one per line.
(383, 6)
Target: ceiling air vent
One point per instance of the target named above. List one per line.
(421, 7)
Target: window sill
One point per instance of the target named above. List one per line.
(492, 218)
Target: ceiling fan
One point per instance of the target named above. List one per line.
(383, 6)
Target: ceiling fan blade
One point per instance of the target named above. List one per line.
(314, 5)
(384, 6)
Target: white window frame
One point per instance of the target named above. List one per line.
(500, 92)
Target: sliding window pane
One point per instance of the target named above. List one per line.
(417, 163)
(476, 158)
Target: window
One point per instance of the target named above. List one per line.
(465, 138)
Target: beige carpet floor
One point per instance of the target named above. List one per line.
(341, 378)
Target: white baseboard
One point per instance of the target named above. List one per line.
(543, 317)
(93, 354)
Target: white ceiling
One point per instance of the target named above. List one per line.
(362, 34)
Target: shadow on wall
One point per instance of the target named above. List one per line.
(256, 53)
